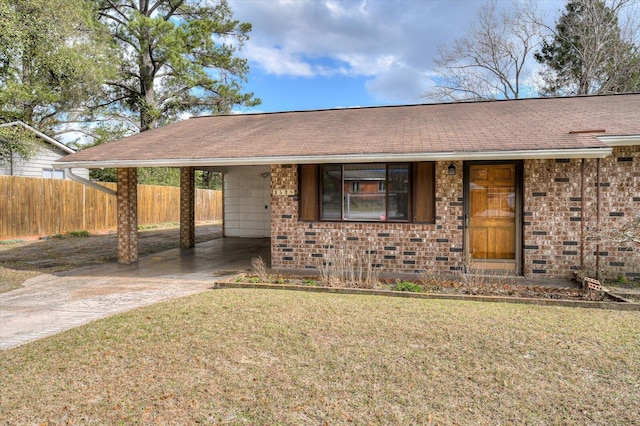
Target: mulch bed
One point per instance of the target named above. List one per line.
(448, 287)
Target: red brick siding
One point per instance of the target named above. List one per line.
(397, 247)
(551, 217)
(558, 198)
(559, 212)
(187, 207)
(619, 203)
(127, 212)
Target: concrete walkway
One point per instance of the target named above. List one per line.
(49, 304)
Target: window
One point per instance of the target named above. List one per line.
(365, 203)
(394, 192)
(52, 174)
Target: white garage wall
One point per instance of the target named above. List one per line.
(247, 202)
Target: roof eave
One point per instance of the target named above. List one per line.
(38, 133)
(599, 152)
(628, 140)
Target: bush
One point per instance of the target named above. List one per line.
(78, 234)
(407, 286)
(309, 281)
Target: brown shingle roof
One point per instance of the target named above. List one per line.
(493, 127)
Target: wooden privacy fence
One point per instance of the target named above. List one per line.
(36, 206)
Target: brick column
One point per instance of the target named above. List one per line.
(127, 200)
(187, 207)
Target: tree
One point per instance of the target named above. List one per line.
(16, 140)
(53, 60)
(589, 53)
(177, 58)
(490, 61)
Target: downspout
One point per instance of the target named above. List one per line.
(224, 221)
(72, 176)
(598, 219)
(582, 207)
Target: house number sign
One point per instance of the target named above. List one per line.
(283, 192)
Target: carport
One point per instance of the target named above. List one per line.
(246, 205)
(237, 146)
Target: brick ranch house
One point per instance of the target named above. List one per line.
(534, 187)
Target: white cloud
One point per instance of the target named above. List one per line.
(399, 84)
(277, 61)
(350, 38)
(391, 43)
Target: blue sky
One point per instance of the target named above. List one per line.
(317, 54)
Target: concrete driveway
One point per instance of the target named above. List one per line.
(49, 304)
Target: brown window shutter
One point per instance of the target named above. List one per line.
(308, 194)
(424, 203)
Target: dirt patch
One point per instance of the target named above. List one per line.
(26, 259)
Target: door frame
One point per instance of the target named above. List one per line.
(519, 185)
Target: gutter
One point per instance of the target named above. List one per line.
(620, 140)
(68, 172)
(600, 152)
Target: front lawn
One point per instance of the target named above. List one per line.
(244, 356)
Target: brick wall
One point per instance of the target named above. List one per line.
(392, 246)
(560, 211)
(187, 207)
(619, 203)
(562, 215)
(127, 211)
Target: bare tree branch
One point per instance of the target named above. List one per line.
(489, 62)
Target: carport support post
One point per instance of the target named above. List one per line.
(127, 207)
(187, 207)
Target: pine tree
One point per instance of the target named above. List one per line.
(588, 53)
(177, 58)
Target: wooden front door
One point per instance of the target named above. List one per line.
(491, 217)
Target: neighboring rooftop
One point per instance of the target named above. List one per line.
(48, 139)
(526, 128)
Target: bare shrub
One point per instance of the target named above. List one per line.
(348, 267)
(261, 268)
(623, 236)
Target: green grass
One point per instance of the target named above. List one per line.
(159, 225)
(284, 357)
(78, 234)
(11, 279)
(10, 242)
